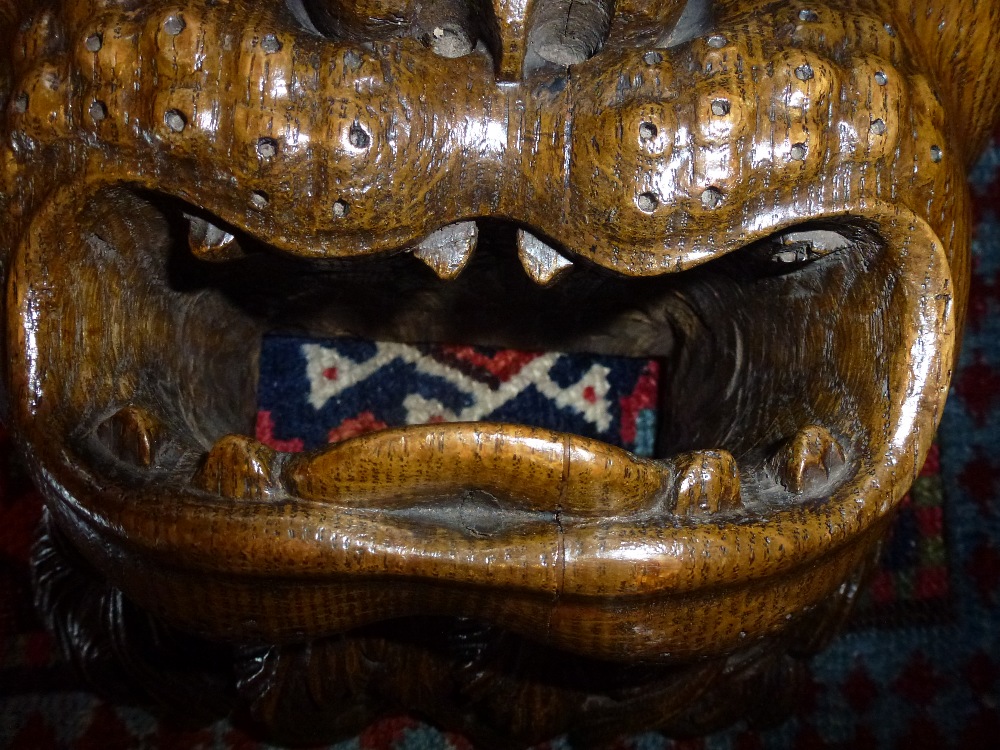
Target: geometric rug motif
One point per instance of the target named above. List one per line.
(318, 391)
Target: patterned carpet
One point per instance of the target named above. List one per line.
(917, 667)
(314, 392)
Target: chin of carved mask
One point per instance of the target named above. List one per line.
(766, 202)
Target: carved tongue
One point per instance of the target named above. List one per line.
(533, 469)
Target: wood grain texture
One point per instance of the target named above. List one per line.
(769, 199)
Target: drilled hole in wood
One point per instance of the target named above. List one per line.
(711, 198)
(259, 199)
(647, 131)
(174, 25)
(267, 147)
(647, 202)
(94, 43)
(175, 120)
(358, 137)
(652, 58)
(270, 44)
(98, 111)
(720, 107)
(340, 209)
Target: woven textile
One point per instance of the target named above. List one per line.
(918, 667)
(314, 392)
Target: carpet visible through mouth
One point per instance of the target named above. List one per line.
(315, 391)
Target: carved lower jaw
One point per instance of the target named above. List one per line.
(798, 404)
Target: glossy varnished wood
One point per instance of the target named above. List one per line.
(768, 198)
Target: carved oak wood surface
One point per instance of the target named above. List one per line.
(769, 197)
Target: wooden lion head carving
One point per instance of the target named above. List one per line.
(767, 197)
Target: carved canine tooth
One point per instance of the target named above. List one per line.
(210, 242)
(133, 435)
(707, 482)
(810, 461)
(237, 467)
(448, 249)
(541, 261)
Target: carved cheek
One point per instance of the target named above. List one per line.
(797, 94)
(39, 106)
(633, 164)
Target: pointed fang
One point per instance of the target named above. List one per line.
(541, 261)
(211, 243)
(133, 435)
(448, 249)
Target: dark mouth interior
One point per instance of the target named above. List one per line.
(749, 344)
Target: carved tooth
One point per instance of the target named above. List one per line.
(819, 241)
(542, 262)
(211, 243)
(447, 250)
(707, 482)
(133, 435)
(237, 467)
(810, 461)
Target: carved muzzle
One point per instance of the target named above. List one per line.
(766, 203)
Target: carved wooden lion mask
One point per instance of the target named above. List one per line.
(767, 196)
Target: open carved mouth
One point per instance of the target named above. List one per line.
(801, 343)
(779, 361)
